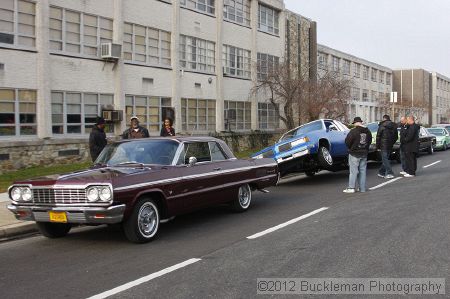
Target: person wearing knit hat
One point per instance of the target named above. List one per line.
(97, 138)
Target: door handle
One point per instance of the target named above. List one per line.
(217, 169)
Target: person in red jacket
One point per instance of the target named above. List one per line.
(358, 141)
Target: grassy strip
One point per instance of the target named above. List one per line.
(8, 178)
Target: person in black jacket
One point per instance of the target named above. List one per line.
(409, 141)
(135, 130)
(402, 126)
(97, 138)
(167, 130)
(358, 141)
(387, 135)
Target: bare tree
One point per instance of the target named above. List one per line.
(301, 99)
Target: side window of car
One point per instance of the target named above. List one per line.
(199, 150)
(330, 126)
(216, 152)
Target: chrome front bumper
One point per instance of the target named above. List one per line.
(87, 215)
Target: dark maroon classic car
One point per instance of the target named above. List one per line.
(140, 182)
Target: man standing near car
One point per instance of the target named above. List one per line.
(358, 141)
(135, 130)
(403, 126)
(387, 135)
(410, 144)
(97, 138)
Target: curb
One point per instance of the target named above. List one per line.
(8, 232)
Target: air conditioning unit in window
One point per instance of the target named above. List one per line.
(111, 51)
(112, 115)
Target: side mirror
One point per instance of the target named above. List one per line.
(192, 161)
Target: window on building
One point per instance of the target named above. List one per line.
(198, 115)
(388, 78)
(268, 19)
(197, 54)
(149, 110)
(335, 63)
(365, 72)
(323, 64)
(267, 117)
(346, 67)
(146, 45)
(237, 115)
(207, 6)
(237, 11)
(356, 94)
(381, 76)
(374, 96)
(236, 62)
(381, 96)
(17, 23)
(266, 64)
(356, 70)
(374, 75)
(77, 32)
(76, 113)
(17, 112)
(365, 95)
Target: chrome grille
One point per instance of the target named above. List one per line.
(284, 147)
(59, 196)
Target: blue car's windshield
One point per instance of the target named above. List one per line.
(373, 127)
(160, 152)
(437, 132)
(307, 128)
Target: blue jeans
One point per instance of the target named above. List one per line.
(403, 160)
(385, 168)
(358, 167)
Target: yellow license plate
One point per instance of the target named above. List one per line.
(58, 217)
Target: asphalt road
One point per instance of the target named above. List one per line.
(400, 229)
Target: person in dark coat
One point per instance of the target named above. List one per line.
(410, 145)
(358, 141)
(402, 126)
(97, 138)
(135, 130)
(387, 135)
(167, 130)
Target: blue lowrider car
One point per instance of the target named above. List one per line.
(310, 148)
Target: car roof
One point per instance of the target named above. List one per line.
(176, 138)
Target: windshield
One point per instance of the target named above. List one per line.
(437, 132)
(373, 127)
(160, 152)
(307, 128)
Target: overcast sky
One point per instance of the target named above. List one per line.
(393, 33)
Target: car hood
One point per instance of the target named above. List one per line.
(89, 176)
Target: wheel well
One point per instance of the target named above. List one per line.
(159, 200)
(325, 143)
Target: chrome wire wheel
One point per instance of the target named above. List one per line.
(148, 219)
(327, 156)
(245, 196)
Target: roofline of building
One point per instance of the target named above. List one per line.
(299, 15)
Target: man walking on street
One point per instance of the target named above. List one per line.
(97, 138)
(387, 135)
(410, 144)
(135, 130)
(403, 125)
(358, 141)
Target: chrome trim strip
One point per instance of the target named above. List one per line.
(172, 180)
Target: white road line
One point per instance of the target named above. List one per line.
(272, 229)
(144, 279)
(385, 183)
(437, 162)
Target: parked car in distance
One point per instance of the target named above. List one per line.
(309, 148)
(427, 143)
(446, 126)
(139, 182)
(442, 137)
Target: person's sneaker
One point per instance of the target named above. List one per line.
(408, 175)
(349, 190)
(381, 176)
(389, 176)
(403, 172)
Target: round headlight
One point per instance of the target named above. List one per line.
(92, 194)
(105, 194)
(26, 194)
(16, 193)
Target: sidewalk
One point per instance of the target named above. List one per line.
(10, 227)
